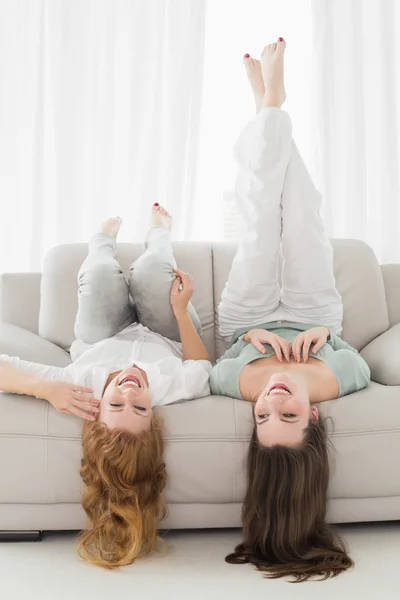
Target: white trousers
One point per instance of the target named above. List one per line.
(280, 207)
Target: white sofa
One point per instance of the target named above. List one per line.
(207, 439)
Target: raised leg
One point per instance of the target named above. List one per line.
(151, 278)
(103, 296)
(252, 292)
(309, 293)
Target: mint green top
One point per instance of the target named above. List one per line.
(351, 371)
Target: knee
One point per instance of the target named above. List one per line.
(152, 271)
(99, 272)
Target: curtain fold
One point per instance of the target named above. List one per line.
(356, 107)
(99, 115)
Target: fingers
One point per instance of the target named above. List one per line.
(79, 398)
(277, 348)
(286, 349)
(306, 348)
(83, 390)
(175, 286)
(318, 345)
(178, 272)
(74, 410)
(186, 278)
(259, 346)
(296, 348)
(88, 407)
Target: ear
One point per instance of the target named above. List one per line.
(314, 413)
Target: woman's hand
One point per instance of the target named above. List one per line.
(181, 292)
(69, 398)
(301, 344)
(258, 337)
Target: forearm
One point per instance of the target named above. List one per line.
(19, 382)
(192, 344)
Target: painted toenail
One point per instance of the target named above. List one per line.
(247, 56)
(156, 204)
(281, 39)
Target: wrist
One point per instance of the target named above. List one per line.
(181, 314)
(39, 388)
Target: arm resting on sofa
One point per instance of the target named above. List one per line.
(383, 357)
(16, 381)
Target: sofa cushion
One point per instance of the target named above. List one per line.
(59, 287)
(358, 278)
(207, 442)
(15, 341)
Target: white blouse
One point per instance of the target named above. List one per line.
(170, 378)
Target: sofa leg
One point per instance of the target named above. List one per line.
(20, 536)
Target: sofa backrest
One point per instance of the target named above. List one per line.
(358, 278)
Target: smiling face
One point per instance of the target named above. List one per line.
(283, 410)
(126, 402)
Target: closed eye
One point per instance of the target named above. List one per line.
(288, 418)
(141, 408)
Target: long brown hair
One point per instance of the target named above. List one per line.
(283, 515)
(124, 477)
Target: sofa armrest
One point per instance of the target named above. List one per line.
(391, 278)
(15, 341)
(20, 299)
(383, 357)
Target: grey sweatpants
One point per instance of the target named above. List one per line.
(107, 302)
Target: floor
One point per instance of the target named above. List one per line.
(194, 569)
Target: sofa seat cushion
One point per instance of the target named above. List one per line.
(207, 442)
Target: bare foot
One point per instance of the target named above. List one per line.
(160, 217)
(111, 226)
(272, 71)
(253, 69)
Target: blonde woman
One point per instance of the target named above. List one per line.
(137, 346)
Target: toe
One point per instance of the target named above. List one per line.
(247, 61)
(274, 46)
(281, 45)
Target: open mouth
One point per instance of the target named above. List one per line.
(130, 381)
(279, 389)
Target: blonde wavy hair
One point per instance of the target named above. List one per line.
(124, 476)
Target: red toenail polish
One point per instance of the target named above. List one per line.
(156, 204)
(247, 56)
(281, 40)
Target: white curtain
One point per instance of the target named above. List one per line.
(343, 82)
(99, 115)
(356, 118)
(104, 110)
(232, 30)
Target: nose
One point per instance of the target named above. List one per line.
(130, 393)
(275, 401)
